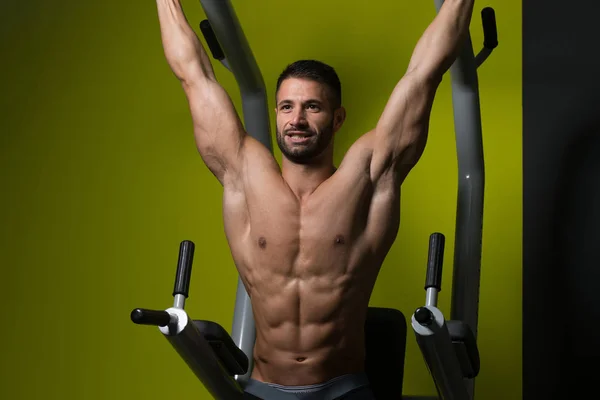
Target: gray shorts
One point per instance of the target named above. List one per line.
(345, 387)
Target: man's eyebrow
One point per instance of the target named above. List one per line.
(309, 101)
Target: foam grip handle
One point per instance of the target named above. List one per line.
(435, 261)
(211, 40)
(184, 268)
(142, 316)
(490, 30)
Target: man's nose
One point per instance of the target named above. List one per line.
(299, 118)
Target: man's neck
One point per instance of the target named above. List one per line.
(304, 179)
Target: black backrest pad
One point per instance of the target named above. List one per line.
(232, 358)
(385, 331)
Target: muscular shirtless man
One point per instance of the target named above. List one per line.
(308, 239)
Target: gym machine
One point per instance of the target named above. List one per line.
(449, 347)
(223, 363)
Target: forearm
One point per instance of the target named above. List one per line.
(183, 50)
(441, 42)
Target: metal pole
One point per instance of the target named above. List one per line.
(471, 182)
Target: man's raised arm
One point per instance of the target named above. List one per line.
(400, 136)
(218, 131)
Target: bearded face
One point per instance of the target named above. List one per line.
(305, 120)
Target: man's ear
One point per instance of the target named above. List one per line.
(339, 117)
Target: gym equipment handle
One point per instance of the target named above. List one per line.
(211, 40)
(142, 316)
(184, 268)
(490, 30)
(435, 261)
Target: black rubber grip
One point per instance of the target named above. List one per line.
(142, 316)
(490, 30)
(211, 40)
(184, 268)
(435, 261)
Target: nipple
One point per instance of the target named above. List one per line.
(262, 242)
(339, 239)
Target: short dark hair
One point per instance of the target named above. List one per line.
(316, 71)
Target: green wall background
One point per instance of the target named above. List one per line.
(100, 182)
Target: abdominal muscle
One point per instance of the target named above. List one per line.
(309, 328)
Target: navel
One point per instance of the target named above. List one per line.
(262, 242)
(301, 359)
(339, 239)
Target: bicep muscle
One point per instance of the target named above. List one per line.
(401, 132)
(218, 131)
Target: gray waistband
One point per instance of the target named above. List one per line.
(329, 390)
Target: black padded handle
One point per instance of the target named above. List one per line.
(490, 30)
(184, 268)
(211, 40)
(435, 261)
(142, 316)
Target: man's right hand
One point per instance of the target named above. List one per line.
(183, 50)
(218, 132)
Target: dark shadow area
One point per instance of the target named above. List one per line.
(561, 188)
(577, 237)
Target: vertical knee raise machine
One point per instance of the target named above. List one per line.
(449, 347)
(223, 363)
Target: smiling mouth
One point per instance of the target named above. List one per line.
(298, 138)
(298, 133)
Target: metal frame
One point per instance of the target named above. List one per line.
(433, 337)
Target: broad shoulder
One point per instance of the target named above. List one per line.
(358, 163)
(359, 155)
(353, 174)
(258, 167)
